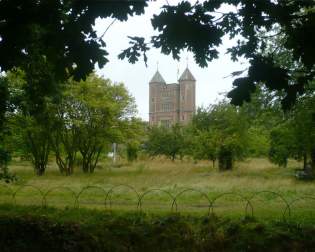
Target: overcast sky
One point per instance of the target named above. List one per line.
(211, 81)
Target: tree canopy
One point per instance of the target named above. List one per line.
(200, 28)
(61, 33)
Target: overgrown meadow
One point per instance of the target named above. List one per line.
(254, 188)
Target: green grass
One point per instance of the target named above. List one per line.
(248, 177)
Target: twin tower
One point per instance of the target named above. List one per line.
(172, 103)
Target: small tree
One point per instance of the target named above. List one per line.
(92, 115)
(280, 144)
(221, 133)
(133, 136)
(205, 146)
(166, 141)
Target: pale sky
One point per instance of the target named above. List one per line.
(211, 81)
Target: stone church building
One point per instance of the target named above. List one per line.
(172, 103)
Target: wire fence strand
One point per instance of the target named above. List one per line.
(172, 199)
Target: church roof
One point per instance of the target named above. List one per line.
(187, 75)
(157, 78)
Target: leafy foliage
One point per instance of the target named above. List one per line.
(200, 27)
(205, 145)
(5, 175)
(91, 116)
(85, 117)
(28, 116)
(33, 229)
(4, 93)
(61, 31)
(52, 41)
(226, 130)
(280, 144)
(133, 53)
(132, 150)
(165, 141)
(219, 132)
(61, 34)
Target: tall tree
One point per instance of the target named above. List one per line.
(294, 137)
(264, 113)
(30, 112)
(58, 36)
(297, 126)
(3, 107)
(303, 130)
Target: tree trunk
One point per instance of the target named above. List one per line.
(60, 163)
(40, 168)
(39, 150)
(71, 163)
(304, 160)
(225, 159)
(85, 167)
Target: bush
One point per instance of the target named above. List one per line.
(132, 150)
(5, 157)
(37, 229)
(8, 177)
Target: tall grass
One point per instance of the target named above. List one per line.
(247, 178)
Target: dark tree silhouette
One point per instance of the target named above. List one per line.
(61, 32)
(200, 27)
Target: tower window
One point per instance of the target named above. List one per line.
(167, 107)
(166, 93)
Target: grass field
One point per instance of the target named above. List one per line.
(269, 188)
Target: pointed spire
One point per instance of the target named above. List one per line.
(157, 78)
(187, 75)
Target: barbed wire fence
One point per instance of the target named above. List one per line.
(249, 204)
